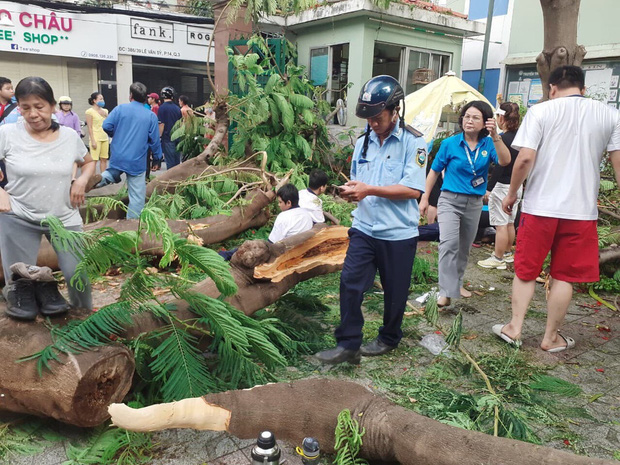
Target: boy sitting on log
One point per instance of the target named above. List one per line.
(292, 219)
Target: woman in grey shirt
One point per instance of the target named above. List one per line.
(39, 156)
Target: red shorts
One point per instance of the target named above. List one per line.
(573, 245)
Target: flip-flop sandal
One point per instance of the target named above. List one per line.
(497, 330)
(570, 343)
(447, 304)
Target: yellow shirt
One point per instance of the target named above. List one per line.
(98, 132)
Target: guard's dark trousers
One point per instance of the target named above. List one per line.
(366, 255)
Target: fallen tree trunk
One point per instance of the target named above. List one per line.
(77, 391)
(297, 258)
(310, 407)
(198, 165)
(210, 230)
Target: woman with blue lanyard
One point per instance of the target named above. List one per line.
(465, 157)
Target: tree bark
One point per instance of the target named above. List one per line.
(77, 391)
(560, 18)
(608, 255)
(310, 408)
(210, 230)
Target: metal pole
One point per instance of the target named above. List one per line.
(485, 48)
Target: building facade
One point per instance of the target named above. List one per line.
(80, 50)
(596, 31)
(349, 41)
(499, 40)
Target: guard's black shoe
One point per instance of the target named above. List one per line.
(51, 303)
(20, 299)
(339, 355)
(375, 347)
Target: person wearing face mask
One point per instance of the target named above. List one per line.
(39, 156)
(99, 142)
(387, 176)
(465, 157)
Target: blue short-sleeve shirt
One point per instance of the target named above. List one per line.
(452, 156)
(400, 160)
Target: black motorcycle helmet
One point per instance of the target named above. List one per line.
(378, 94)
(167, 92)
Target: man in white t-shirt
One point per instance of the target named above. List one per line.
(309, 198)
(561, 145)
(293, 220)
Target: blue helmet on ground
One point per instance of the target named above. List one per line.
(378, 94)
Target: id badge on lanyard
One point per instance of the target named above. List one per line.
(477, 180)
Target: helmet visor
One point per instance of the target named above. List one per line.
(367, 110)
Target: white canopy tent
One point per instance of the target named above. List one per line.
(424, 107)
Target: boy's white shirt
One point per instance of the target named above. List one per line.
(311, 202)
(290, 222)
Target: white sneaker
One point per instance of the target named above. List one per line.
(509, 257)
(493, 262)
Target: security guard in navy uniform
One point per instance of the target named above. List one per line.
(388, 171)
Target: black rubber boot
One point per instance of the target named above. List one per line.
(20, 299)
(51, 303)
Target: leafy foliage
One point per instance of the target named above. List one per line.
(25, 439)
(348, 440)
(281, 116)
(555, 385)
(203, 197)
(108, 445)
(247, 350)
(192, 133)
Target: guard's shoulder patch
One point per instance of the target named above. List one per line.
(413, 131)
(420, 157)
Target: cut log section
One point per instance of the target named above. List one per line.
(327, 247)
(77, 391)
(310, 407)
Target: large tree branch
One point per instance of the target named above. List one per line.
(310, 408)
(210, 230)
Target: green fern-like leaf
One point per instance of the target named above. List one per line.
(607, 185)
(209, 262)
(431, 311)
(153, 221)
(348, 440)
(243, 348)
(105, 445)
(555, 385)
(454, 335)
(179, 366)
(301, 102)
(97, 330)
(107, 204)
(286, 110)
